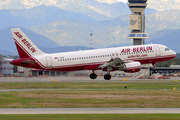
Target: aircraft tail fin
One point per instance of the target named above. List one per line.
(26, 48)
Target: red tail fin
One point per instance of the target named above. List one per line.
(26, 48)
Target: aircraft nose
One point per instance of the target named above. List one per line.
(173, 53)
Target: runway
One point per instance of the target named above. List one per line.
(89, 110)
(63, 79)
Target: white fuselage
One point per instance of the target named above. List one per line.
(91, 59)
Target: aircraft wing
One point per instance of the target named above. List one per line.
(116, 62)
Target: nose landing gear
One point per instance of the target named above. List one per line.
(154, 66)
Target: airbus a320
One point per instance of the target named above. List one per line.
(128, 59)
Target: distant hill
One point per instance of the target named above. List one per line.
(7, 46)
(37, 16)
(7, 42)
(4, 52)
(64, 49)
(170, 38)
(68, 33)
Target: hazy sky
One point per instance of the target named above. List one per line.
(123, 0)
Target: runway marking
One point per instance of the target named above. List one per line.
(89, 110)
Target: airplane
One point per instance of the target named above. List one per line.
(128, 59)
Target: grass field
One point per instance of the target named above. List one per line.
(132, 85)
(88, 95)
(93, 117)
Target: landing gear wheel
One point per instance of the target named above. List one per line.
(93, 76)
(107, 77)
(155, 71)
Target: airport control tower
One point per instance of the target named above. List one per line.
(137, 21)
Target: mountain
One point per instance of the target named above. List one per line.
(92, 8)
(167, 37)
(162, 20)
(4, 52)
(8, 45)
(64, 49)
(39, 15)
(170, 38)
(163, 5)
(160, 5)
(108, 1)
(86, 5)
(69, 33)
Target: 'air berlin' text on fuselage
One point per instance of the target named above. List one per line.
(30, 47)
(137, 49)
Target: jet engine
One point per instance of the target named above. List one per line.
(130, 67)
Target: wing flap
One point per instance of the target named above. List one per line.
(116, 62)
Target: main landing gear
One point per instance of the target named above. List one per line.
(93, 75)
(106, 76)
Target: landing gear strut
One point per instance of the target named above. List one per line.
(154, 66)
(93, 75)
(108, 76)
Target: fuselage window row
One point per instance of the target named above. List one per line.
(70, 59)
(111, 55)
(104, 56)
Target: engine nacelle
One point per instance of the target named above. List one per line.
(131, 67)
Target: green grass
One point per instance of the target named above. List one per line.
(119, 85)
(93, 117)
(97, 95)
(91, 99)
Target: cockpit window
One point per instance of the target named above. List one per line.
(166, 49)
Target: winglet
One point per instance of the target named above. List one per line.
(26, 48)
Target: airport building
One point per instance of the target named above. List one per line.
(137, 21)
(6, 69)
(29, 72)
(173, 69)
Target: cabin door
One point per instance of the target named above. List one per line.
(157, 50)
(49, 61)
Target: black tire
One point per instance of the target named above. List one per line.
(107, 77)
(93, 76)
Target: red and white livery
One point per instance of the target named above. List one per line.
(127, 59)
